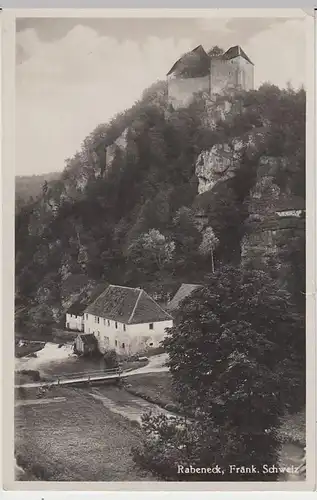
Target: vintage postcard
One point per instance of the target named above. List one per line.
(159, 225)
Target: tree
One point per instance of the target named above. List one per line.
(152, 250)
(215, 51)
(208, 245)
(111, 359)
(232, 351)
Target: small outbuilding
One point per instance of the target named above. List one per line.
(86, 343)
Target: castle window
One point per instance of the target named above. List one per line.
(151, 326)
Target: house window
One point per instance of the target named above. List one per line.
(108, 322)
(86, 316)
(151, 326)
(116, 325)
(116, 343)
(124, 328)
(123, 345)
(104, 321)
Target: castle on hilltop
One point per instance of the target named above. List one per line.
(213, 73)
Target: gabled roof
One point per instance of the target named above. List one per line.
(203, 60)
(77, 308)
(199, 51)
(127, 305)
(184, 291)
(236, 51)
(88, 338)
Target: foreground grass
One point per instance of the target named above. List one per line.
(77, 439)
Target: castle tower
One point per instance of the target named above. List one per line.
(231, 70)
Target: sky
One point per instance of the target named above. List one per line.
(73, 74)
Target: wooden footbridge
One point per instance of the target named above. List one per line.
(69, 379)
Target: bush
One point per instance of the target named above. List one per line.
(111, 359)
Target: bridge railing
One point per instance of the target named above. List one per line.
(88, 375)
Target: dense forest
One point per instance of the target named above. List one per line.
(135, 217)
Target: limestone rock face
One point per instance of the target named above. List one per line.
(121, 143)
(215, 165)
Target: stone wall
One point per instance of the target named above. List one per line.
(181, 91)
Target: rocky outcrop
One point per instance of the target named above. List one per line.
(274, 214)
(120, 143)
(217, 164)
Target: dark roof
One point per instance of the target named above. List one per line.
(231, 53)
(88, 338)
(77, 308)
(199, 50)
(184, 291)
(127, 305)
(235, 52)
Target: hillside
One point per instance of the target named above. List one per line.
(157, 197)
(28, 187)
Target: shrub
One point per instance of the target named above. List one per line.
(111, 359)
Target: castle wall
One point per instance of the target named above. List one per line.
(181, 90)
(223, 75)
(245, 72)
(229, 74)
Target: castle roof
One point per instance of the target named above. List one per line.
(127, 305)
(236, 51)
(203, 59)
(202, 63)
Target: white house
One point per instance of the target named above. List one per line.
(127, 320)
(75, 317)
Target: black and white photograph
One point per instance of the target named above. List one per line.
(160, 249)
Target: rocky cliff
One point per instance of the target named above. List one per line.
(213, 181)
